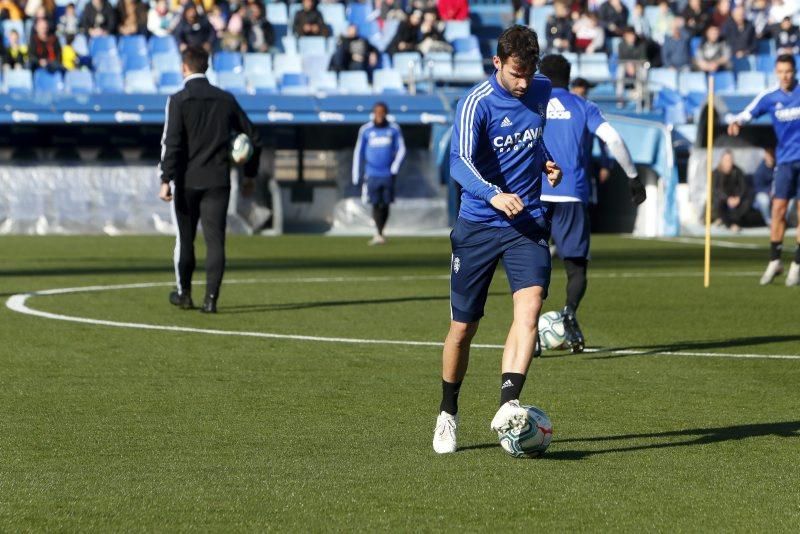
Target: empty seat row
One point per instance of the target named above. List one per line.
(745, 82)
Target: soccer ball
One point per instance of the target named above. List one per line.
(551, 330)
(241, 149)
(533, 439)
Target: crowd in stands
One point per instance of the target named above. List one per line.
(741, 199)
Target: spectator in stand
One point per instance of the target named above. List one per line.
(407, 37)
(69, 58)
(233, 38)
(258, 30)
(132, 17)
(10, 10)
(194, 30)
(758, 14)
(432, 34)
(453, 9)
(676, 50)
(559, 28)
(389, 10)
(353, 52)
(309, 21)
(696, 18)
(714, 54)
(68, 23)
(639, 22)
(614, 17)
(16, 54)
(159, 19)
(787, 37)
(663, 22)
(589, 35)
(44, 48)
(721, 13)
(217, 20)
(632, 54)
(740, 34)
(733, 196)
(762, 183)
(98, 19)
(33, 9)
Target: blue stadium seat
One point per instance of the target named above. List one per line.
(315, 63)
(403, 62)
(662, 79)
(596, 57)
(160, 45)
(592, 71)
(387, 81)
(289, 44)
(132, 45)
(227, 62)
(232, 81)
(170, 82)
(765, 63)
(358, 13)
(81, 45)
(724, 81)
(766, 46)
(166, 62)
(283, 63)
(262, 83)
(257, 63)
(18, 81)
(468, 70)
(456, 29)
(102, 45)
(135, 62)
(17, 25)
(692, 82)
(295, 84)
(109, 82)
(440, 70)
(312, 45)
(277, 13)
(79, 82)
(324, 81)
(139, 82)
(354, 82)
(45, 82)
(335, 16)
(572, 57)
(280, 31)
(651, 15)
(743, 64)
(468, 57)
(538, 21)
(107, 63)
(467, 45)
(751, 82)
(694, 44)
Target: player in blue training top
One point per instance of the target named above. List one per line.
(379, 151)
(572, 123)
(497, 155)
(783, 105)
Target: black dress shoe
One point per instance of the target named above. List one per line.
(209, 305)
(183, 302)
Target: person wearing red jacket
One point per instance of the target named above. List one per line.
(453, 9)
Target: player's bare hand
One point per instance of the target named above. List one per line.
(734, 128)
(165, 193)
(554, 173)
(605, 174)
(508, 203)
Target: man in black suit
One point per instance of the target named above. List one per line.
(195, 159)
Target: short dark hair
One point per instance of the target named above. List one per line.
(521, 43)
(196, 58)
(557, 68)
(382, 104)
(786, 58)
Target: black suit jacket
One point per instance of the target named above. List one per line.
(195, 147)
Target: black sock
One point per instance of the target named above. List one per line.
(576, 281)
(511, 386)
(450, 397)
(797, 254)
(775, 249)
(380, 213)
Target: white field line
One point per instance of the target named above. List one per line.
(18, 303)
(700, 241)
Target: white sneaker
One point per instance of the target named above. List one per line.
(793, 278)
(774, 268)
(444, 436)
(377, 240)
(510, 416)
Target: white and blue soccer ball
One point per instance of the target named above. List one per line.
(241, 149)
(551, 330)
(533, 439)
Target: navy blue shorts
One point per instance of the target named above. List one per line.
(569, 228)
(786, 185)
(380, 190)
(476, 250)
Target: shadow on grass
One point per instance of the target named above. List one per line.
(642, 350)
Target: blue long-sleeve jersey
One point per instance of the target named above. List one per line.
(498, 147)
(571, 124)
(379, 149)
(784, 109)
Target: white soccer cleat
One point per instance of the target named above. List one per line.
(377, 240)
(774, 268)
(444, 436)
(510, 416)
(793, 278)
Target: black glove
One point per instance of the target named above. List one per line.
(638, 193)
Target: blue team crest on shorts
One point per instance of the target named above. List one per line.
(456, 264)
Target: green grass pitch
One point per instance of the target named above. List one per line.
(109, 428)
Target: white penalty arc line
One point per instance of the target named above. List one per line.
(18, 303)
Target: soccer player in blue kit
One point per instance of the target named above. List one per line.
(572, 123)
(498, 156)
(783, 105)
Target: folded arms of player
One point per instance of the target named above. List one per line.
(617, 147)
